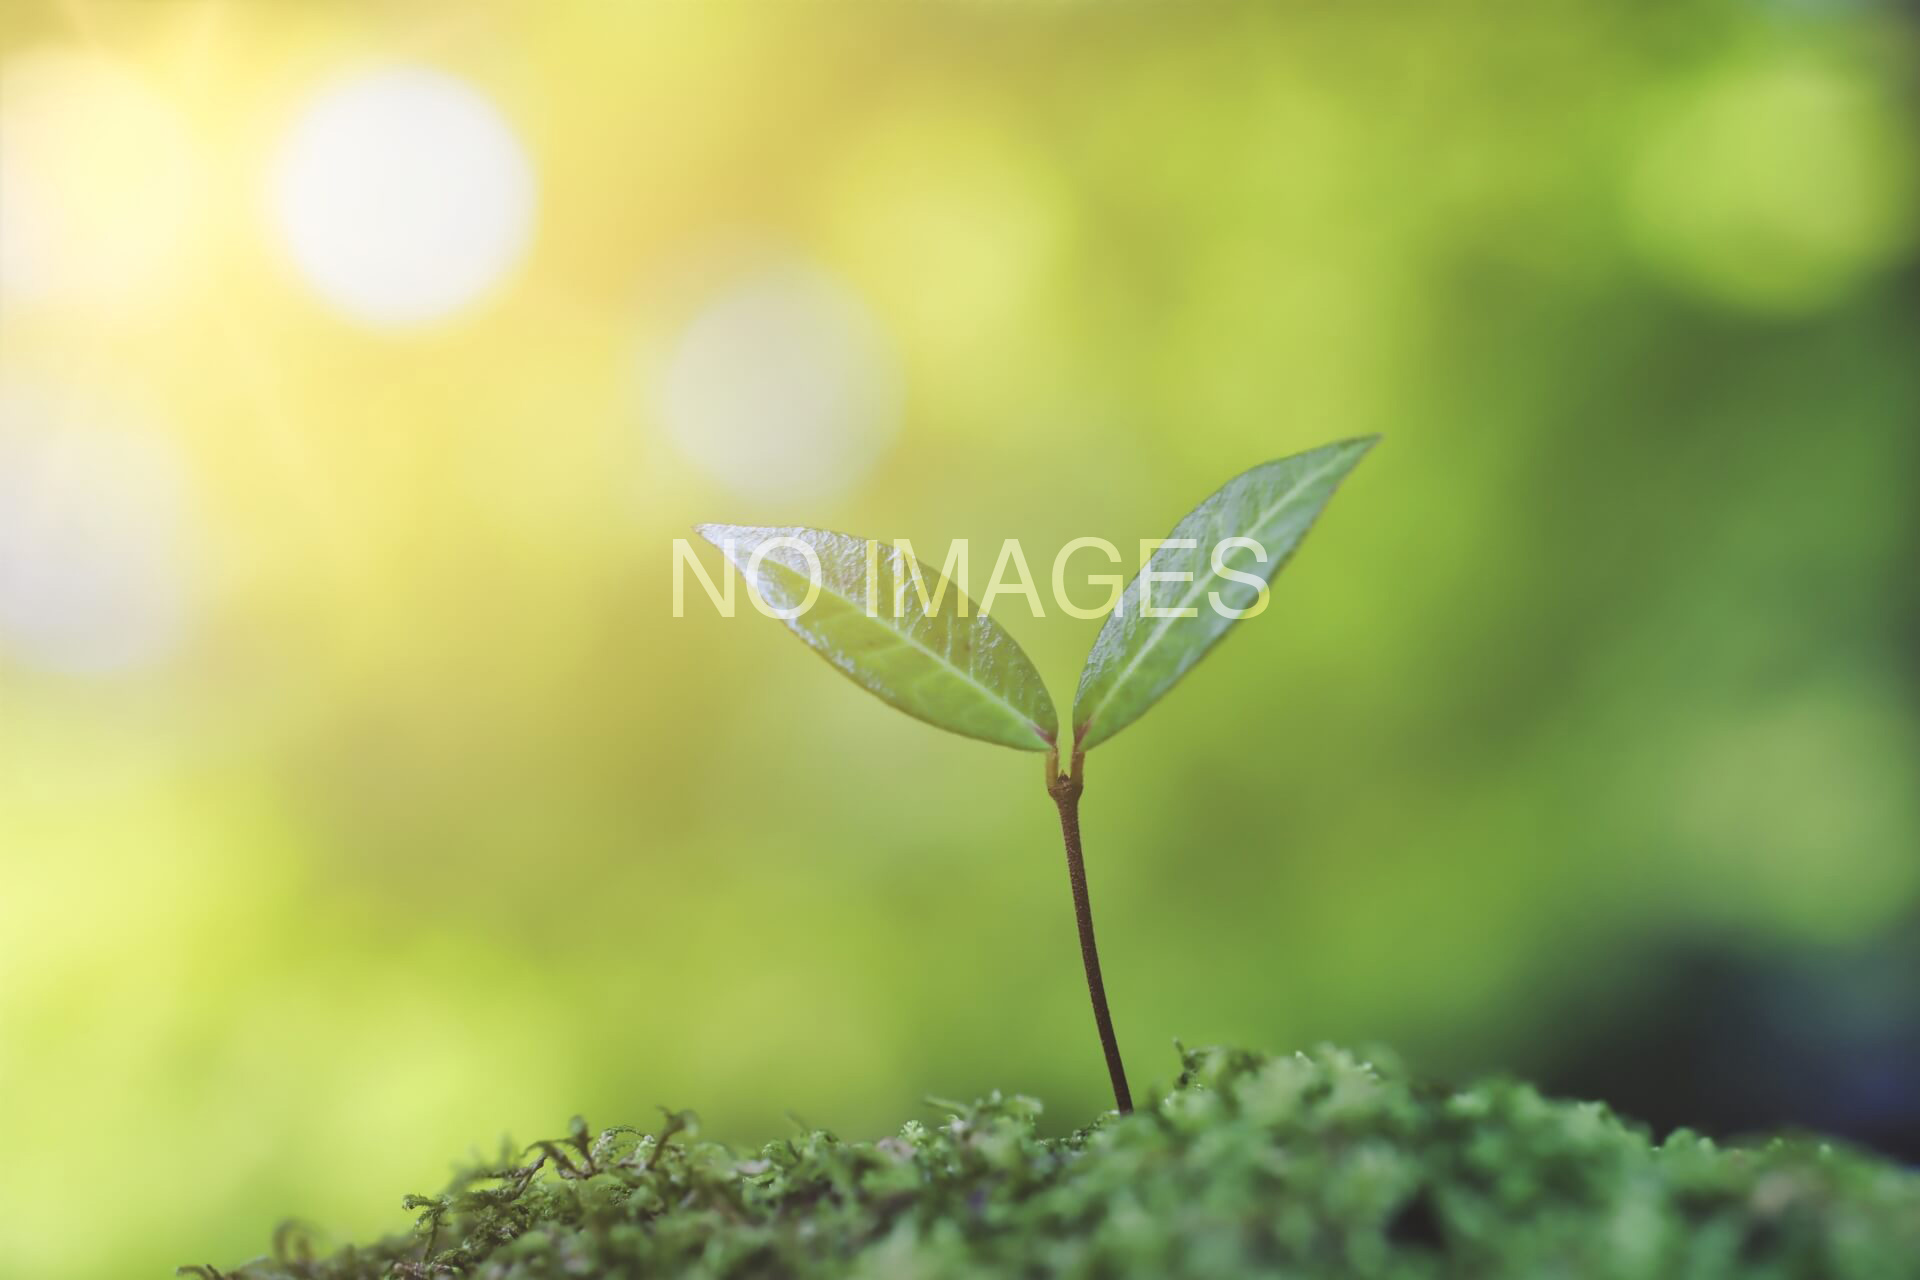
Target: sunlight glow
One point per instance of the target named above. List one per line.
(403, 195)
(98, 176)
(783, 386)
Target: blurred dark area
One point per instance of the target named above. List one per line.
(1733, 1040)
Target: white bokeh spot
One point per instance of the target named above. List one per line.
(782, 386)
(92, 555)
(402, 195)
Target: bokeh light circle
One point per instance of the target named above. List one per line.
(783, 386)
(93, 573)
(403, 194)
(1775, 187)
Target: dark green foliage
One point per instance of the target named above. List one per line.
(1310, 1165)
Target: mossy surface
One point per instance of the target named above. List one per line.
(1298, 1166)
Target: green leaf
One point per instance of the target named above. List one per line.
(938, 659)
(1137, 658)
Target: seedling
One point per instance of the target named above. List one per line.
(937, 659)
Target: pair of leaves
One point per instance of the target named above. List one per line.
(901, 631)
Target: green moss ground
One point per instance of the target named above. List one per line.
(1302, 1166)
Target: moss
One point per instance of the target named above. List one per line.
(1310, 1165)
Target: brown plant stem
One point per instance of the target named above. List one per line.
(1065, 789)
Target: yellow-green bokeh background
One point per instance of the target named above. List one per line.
(429, 822)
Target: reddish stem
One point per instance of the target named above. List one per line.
(1065, 789)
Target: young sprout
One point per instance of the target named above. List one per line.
(907, 635)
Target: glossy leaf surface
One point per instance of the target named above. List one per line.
(1137, 658)
(944, 664)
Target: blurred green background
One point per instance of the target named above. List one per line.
(361, 800)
